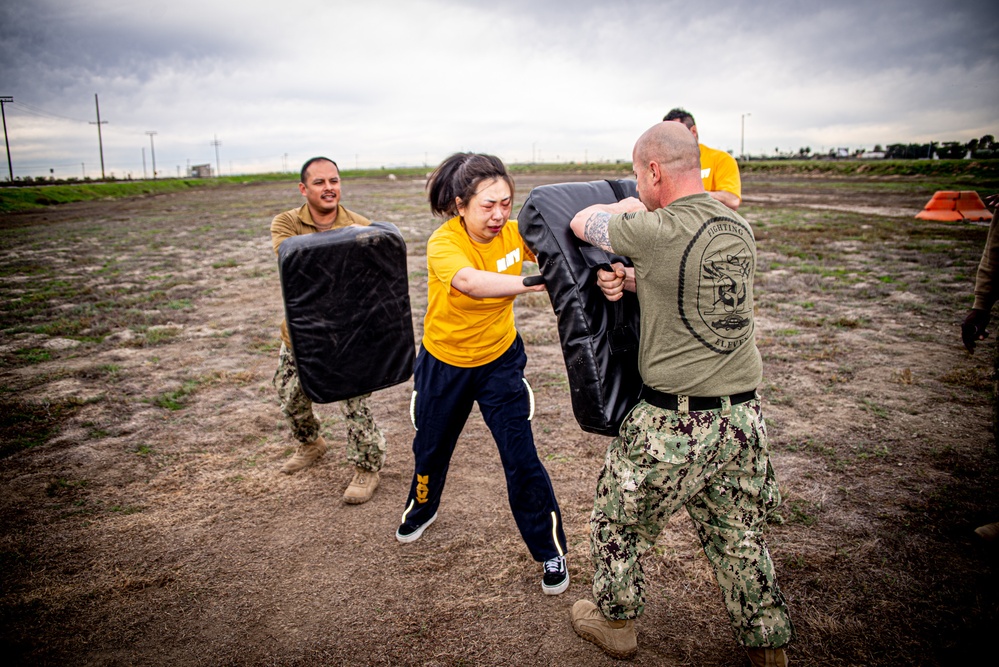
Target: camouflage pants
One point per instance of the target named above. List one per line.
(716, 464)
(365, 442)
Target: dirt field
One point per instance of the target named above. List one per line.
(144, 520)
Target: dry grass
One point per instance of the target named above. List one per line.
(144, 520)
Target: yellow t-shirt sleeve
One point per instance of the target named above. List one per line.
(720, 171)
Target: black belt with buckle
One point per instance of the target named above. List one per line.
(694, 403)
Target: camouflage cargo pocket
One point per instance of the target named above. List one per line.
(619, 489)
(664, 436)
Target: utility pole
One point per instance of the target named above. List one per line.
(10, 167)
(218, 169)
(742, 141)
(100, 140)
(143, 162)
(152, 151)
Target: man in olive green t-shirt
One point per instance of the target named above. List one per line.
(697, 438)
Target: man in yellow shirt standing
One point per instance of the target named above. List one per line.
(719, 170)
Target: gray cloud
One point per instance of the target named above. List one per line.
(404, 82)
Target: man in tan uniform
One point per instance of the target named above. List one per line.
(322, 211)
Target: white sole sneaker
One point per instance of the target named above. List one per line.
(561, 586)
(558, 589)
(415, 535)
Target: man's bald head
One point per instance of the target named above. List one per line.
(667, 164)
(672, 146)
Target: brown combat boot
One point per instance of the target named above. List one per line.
(306, 455)
(767, 657)
(616, 638)
(361, 487)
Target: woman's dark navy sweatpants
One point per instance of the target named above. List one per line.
(443, 401)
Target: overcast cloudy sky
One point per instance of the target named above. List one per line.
(386, 83)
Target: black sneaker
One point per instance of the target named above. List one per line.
(556, 578)
(407, 533)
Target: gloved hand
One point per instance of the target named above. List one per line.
(973, 327)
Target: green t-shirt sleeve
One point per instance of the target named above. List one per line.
(631, 233)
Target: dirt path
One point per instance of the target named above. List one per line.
(144, 520)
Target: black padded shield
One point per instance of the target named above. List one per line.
(599, 338)
(346, 300)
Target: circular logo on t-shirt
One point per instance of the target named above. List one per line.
(716, 279)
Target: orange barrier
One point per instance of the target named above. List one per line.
(951, 206)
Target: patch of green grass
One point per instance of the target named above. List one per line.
(178, 304)
(826, 451)
(143, 450)
(59, 484)
(552, 380)
(876, 453)
(803, 512)
(176, 399)
(795, 562)
(95, 432)
(32, 355)
(267, 347)
(874, 408)
(64, 327)
(160, 335)
(225, 264)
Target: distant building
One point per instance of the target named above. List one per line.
(872, 155)
(200, 171)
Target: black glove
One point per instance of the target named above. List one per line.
(973, 327)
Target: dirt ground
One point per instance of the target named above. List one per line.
(143, 520)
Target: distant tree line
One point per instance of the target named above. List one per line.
(983, 148)
(980, 149)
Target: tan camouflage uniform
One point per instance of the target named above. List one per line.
(716, 464)
(365, 442)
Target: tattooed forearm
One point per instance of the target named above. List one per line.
(595, 232)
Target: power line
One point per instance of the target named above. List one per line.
(42, 112)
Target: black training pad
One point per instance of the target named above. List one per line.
(346, 299)
(599, 338)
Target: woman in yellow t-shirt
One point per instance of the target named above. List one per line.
(472, 352)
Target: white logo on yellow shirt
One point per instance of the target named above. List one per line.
(705, 172)
(511, 258)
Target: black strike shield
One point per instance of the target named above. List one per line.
(599, 338)
(346, 300)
